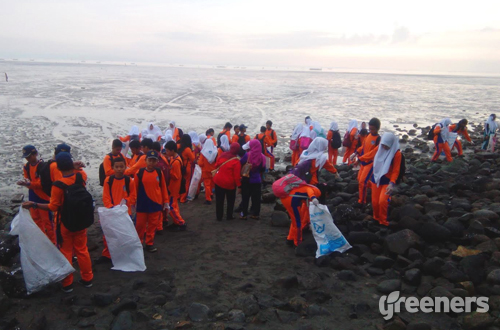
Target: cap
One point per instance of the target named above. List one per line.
(64, 160)
(28, 150)
(243, 127)
(63, 147)
(152, 154)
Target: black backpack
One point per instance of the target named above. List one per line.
(242, 141)
(402, 169)
(43, 172)
(110, 182)
(430, 136)
(303, 170)
(77, 211)
(261, 142)
(102, 173)
(336, 141)
(274, 137)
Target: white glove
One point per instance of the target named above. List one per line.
(337, 176)
(166, 206)
(390, 189)
(315, 202)
(351, 157)
(123, 202)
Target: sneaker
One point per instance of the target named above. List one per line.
(290, 242)
(183, 227)
(159, 232)
(102, 260)
(255, 217)
(87, 284)
(151, 248)
(172, 227)
(68, 288)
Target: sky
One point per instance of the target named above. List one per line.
(438, 35)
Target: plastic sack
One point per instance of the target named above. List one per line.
(123, 242)
(195, 181)
(327, 235)
(452, 137)
(42, 263)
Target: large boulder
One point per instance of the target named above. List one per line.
(401, 241)
(280, 219)
(433, 232)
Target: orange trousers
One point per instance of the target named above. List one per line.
(332, 155)
(175, 212)
(43, 220)
(77, 242)
(439, 148)
(187, 177)
(208, 182)
(364, 175)
(458, 145)
(348, 153)
(295, 157)
(299, 213)
(269, 154)
(380, 203)
(147, 224)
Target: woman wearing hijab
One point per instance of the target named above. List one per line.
(153, 131)
(295, 144)
(226, 180)
(207, 165)
(175, 131)
(350, 140)
(441, 131)
(224, 145)
(132, 135)
(188, 161)
(334, 142)
(490, 132)
(305, 137)
(251, 185)
(386, 166)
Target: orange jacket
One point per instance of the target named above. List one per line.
(369, 149)
(127, 138)
(393, 173)
(140, 163)
(314, 171)
(107, 163)
(113, 197)
(151, 191)
(352, 137)
(174, 185)
(462, 131)
(131, 162)
(57, 194)
(234, 139)
(206, 167)
(273, 137)
(187, 159)
(36, 193)
(227, 132)
(264, 138)
(311, 192)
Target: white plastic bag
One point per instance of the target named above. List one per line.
(327, 235)
(452, 137)
(123, 243)
(195, 181)
(41, 261)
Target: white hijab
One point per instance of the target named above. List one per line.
(334, 126)
(173, 124)
(168, 136)
(134, 130)
(202, 138)
(444, 128)
(194, 138)
(306, 130)
(353, 123)
(224, 143)
(383, 158)
(156, 131)
(493, 126)
(296, 132)
(317, 150)
(144, 133)
(209, 151)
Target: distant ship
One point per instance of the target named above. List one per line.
(316, 69)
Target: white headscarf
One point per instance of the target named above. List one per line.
(317, 150)
(383, 158)
(353, 123)
(224, 142)
(334, 126)
(308, 121)
(493, 126)
(209, 151)
(296, 132)
(156, 131)
(444, 128)
(168, 136)
(173, 124)
(194, 138)
(144, 133)
(134, 130)
(202, 138)
(306, 130)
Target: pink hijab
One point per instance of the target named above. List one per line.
(255, 156)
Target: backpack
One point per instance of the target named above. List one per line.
(165, 169)
(102, 173)
(242, 141)
(303, 170)
(336, 141)
(430, 136)
(283, 186)
(347, 140)
(402, 169)
(180, 132)
(43, 172)
(261, 142)
(274, 137)
(127, 186)
(77, 211)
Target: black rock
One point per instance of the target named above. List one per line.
(452, 273)
(199, 312)
(315, 310)
(494, 277)
(346, 275)
(12, 283)
(9, 248)
(267, 301)
(126, 304)
(414, 254)
(455, 227)
(102, 299)
(287, 317)
(307, 248)
(280, 219)
(401, 241)
(361, 237)
(418, 326)
(413, 276)
(123, 321)
(382, 262)
(375, 271)
(236, 315)
(248, 304)
(308, 281)
(389, 286)
(433, 266)
(288, 282)
(318, 297)
(433, 232)
(268, 198)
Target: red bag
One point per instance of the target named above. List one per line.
(347, 140)
(294, 145)
(305, 142)
(283, 186)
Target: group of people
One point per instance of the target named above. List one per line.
(153, 174)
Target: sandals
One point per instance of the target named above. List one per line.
(255, 217)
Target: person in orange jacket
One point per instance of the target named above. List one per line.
(207, 165)
(227, 180)
(441, 140)
(297, 206)
(132, 135)
(147, 145)
(72, 242)
(386, 167)
(117, 187)
(195, 141)
(225, 131)
(350, 138)
(175, 131)
(174, 186)
(243, 138)
(234, 139)
(135, 148)
(295, 144)
(116, 151)
(152, 199)
(366, 153)
(165, 168)
(55, 173)
(461, 129)
(266, 143)
(363, 133)
(188, 162)
(42, 218)
(333, 138)
(273, 138)
(316, 153)
(224, 145)
(305, 137)
(210, 135)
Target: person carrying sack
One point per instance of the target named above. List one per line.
(253, 165)
(207, 164)
(226, 179)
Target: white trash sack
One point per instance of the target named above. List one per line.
(123, 242)
(195, 181)
(451, 139)
(42, 263)
(327, 235)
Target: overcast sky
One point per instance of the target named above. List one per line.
(435, 35)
